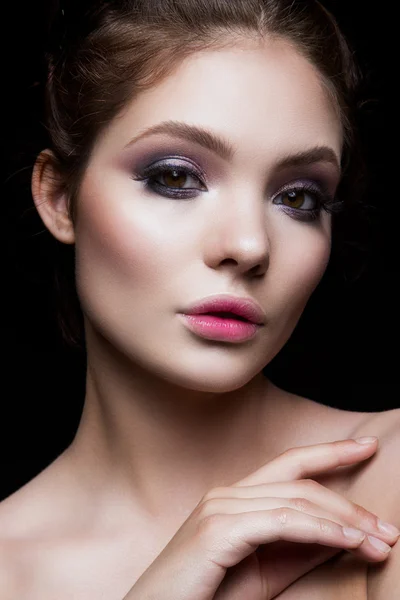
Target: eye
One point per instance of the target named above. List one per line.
(304, 200)
(172, 180)
(174, 177)
(299, 198)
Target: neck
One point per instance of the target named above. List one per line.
(161, 447)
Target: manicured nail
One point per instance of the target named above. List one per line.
(388, 528)
(368, 439)
(353, 534)
(379, 545)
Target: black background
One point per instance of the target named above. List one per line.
(341, 354)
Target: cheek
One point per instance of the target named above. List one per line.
(301, 260)
(310, 271)
(117, 250)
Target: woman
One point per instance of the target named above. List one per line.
(192, 476)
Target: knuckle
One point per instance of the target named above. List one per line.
(209, 507)
(217, 492)
(300, 504)
(290, 452)
(359, 511)
(308, 484)
(209, 525)
(324, 526)
(283, 516)
(294, 458)
(362, 515)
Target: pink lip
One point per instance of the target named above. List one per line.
(221, 329)
(226, 303)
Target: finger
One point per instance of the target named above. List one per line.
(332, 503)
(368, 550)
(231, 537)
(307, 461)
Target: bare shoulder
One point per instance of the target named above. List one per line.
(383, 471)
(22, 515)
(316, 422)
(378, 489)
(384, 422)
(363, 483)
(309, 422)
(32, 520)
(38, 502)
(53, 545)
(9, 573)
(373, 484)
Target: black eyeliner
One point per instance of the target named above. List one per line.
(172, 163)
(317, 190)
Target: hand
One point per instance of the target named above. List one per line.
(231, 546)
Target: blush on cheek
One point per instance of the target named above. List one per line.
(314, 267)
(315, 261)
(305, 270)
(118, 259)
(104, 249)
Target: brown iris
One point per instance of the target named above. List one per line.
(174, 177)
(295, 198)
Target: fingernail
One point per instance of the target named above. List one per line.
(368, 439)
(388, 528)
(353, 534)
(381, 546)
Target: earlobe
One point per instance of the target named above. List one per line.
(50, 202)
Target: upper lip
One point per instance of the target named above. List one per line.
(241, 306)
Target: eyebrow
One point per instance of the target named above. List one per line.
(220, 146)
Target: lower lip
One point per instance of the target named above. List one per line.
(220, 329)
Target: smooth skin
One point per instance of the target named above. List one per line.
(279, 502)
(171, 420)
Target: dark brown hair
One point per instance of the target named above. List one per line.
(121, 48)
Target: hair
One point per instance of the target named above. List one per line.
(116, 50)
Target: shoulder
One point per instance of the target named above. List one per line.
(31, 518)
(10, 574)
(375, 485)
(38, 537)
(18, 513)
(383, 473)
(44, 507)
(378, 489)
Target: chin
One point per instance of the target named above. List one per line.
(209, 376)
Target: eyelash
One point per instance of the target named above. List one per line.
(323, 199)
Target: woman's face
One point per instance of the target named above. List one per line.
(247, 222)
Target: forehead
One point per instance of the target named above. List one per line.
(261, 96)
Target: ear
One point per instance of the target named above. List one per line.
(51, 204)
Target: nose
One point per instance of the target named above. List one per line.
(238, 236)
